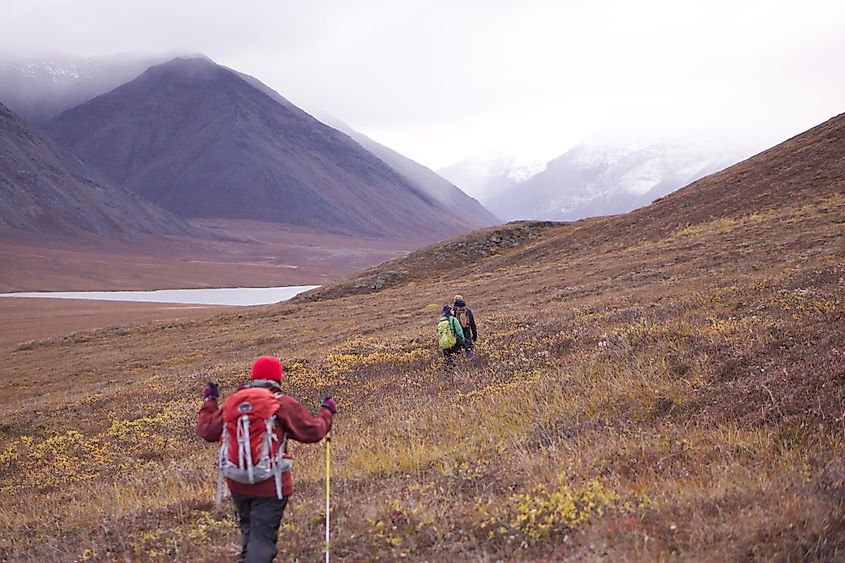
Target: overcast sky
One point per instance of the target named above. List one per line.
(441, 81)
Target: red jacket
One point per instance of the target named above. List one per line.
(291, 417)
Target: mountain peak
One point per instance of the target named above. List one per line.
(196, 63)
(201, 141)
(197, 67)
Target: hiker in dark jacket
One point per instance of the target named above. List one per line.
(455, 328)
(259, 508)
(467, 322)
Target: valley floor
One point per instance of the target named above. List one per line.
(248, 254)
(36, 319)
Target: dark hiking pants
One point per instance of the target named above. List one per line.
(468, 346)
(259, 519)
(447, 354)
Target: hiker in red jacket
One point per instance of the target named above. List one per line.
(261, 505)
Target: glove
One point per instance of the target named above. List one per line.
(328, 403)
(211, 391)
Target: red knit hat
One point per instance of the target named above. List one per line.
(268, 367)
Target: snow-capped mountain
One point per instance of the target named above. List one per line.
(38, 89)
(601, 178)
(487, 175)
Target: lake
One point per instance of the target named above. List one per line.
(239, 296)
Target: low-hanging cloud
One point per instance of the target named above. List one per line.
(441, 80)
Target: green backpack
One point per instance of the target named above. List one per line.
(445, 335)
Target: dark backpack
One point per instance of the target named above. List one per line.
(462, 314)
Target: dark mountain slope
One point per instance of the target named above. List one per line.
(438, 187)
(45, 190)
(198, 140)
(468, 208)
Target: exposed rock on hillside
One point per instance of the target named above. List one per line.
(430, 262)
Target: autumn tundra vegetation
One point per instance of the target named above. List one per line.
(669, 383)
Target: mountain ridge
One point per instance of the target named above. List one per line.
(239, 154)
(429, 181)
(440, 188)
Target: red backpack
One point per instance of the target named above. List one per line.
(250, 448)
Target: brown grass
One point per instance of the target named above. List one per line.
(655, 397)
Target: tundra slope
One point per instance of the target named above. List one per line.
(666, 383)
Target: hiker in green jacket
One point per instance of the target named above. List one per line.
(450, 336)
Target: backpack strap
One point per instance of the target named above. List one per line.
(280, 465)
(244, 447)
(220, 459)
(278, 468)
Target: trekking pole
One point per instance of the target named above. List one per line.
(328, 490)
